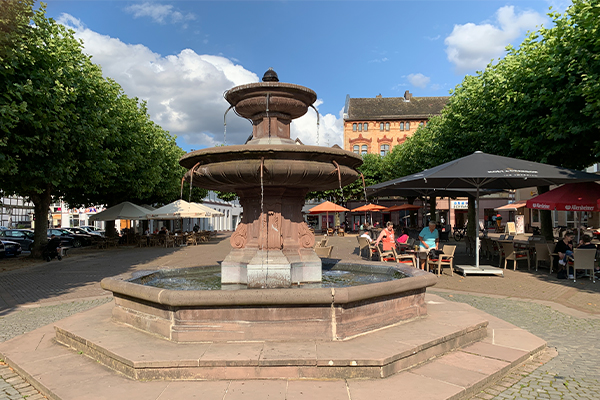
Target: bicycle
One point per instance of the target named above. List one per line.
(459, 233)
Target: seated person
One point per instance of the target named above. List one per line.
(586, 243)
(163, 231)
(387, 237)
(564, 249)
(404, 238)
(366, 235)
(430, 239)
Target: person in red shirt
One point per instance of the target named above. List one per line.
(386, 237)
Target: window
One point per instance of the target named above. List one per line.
(387, 126)
(421, 124)
(353, 127)
(381, 126)
(365, 127)
(384, 149)
(408, 126)
(364, 149)
(360, 127)
(401, 126)
(356, 149)
(535, 216)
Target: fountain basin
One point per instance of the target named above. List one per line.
(231, 168)
(324, 314)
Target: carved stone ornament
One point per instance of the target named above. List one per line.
(305, 236)
(238, 239)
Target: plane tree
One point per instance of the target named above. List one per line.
(66, 131)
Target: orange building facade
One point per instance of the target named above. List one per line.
(376, 125)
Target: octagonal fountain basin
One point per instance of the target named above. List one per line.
(330, 313)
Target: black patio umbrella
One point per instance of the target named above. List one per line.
(486, 171)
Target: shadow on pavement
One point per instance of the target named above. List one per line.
(78, 275)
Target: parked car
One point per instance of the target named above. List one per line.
(92, 230)
(11, 249)
(77, 230)
(69, 238)
(1, 250)
(22, 236)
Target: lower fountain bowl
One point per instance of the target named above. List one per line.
(326, 314)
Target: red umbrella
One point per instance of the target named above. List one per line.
(582, 196)
(327, 207)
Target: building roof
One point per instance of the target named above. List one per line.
(381, 108)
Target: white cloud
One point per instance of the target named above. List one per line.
(330, 130)
(418, 80)
(472, 47)
(379, 60)
(184, 91)
(161, 13)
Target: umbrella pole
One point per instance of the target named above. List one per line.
(477, 228)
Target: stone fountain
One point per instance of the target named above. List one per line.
(271, 174)
(272, 248)
(355, 334)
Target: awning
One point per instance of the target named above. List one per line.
(512, 206)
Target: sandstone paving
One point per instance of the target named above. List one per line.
(563, 313)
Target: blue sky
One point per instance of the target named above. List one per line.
(181, 56)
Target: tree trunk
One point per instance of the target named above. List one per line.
(545, 217)
(432, 207)
(41, 205)
(471, 217)
(109, 230)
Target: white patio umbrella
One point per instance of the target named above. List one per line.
(182, 209)
(124, 210)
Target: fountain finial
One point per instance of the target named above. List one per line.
(270, 76)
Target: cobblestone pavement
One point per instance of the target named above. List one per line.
(573, 374)
(24, 320)
(39, 294)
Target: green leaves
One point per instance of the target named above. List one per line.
(541, 102)
(67, 131)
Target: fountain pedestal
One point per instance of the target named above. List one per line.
(271, 174)
(272, 246)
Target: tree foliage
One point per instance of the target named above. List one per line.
(541, 102)
(373, 172)
(66, 131)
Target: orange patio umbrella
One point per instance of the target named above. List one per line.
(327, 207)
(401, 207)
(369, 207)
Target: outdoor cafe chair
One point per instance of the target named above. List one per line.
(190, 239)
(447, 258)
(542, 254)
(386, 255)
(583, 259)
(363, 247)
(405, 258)
(470, 245)
(512, 254)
